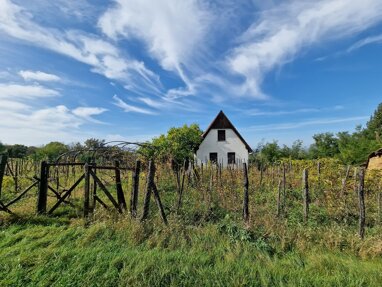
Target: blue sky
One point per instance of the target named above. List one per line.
(131, 69)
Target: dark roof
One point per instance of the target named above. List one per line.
(222, 122)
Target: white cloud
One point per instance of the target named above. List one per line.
(174, 32)
(280, 34)
(13, 105)
(300, 124)
(16, 92)
(88, 112)
(157, 104)
(172, 29)
(257, 112)
(129, 108)
(101, 55)
(38, 76)
(37, 126)
(367, 41)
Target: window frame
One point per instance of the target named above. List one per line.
(221, 132)
(213, 161)
(228, 157)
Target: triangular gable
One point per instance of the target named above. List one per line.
(222, 122)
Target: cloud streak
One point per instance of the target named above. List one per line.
(38, 76)
(130, 108)
(281, 33)
(296, 125)
(367, 41)
(102, 56)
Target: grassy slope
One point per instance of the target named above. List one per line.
(45, 253)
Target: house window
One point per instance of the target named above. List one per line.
(221, 135)
(231, 157)
(213, 157)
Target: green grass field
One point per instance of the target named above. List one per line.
(49, 252)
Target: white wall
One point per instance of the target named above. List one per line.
(231, 144)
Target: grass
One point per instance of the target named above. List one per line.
(124, 253)
(205, 243)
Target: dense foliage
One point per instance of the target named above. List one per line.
(350, 148)
(178, 144)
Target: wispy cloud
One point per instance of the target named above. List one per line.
(173, 31)
(367, 41)
(16, 91)
(257, 112)
(101, 55)
(130, 108)
(38, 76)
(33, 126)
(88, 113)
(300, 124)
(280, 34)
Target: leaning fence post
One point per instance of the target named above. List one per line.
(3, 164)
(86, 191)
(43, 188)
(120, 196)
(361, 201)
(150, 181)
(135, 189)
(306, 194)
(246, 195)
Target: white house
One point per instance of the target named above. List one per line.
(222, 143)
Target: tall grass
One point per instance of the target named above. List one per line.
(206, 243)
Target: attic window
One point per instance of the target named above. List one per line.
(221, 135)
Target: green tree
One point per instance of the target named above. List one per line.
(178, 144)
(266, 153)
(296, 151)
(93, 143)
(52, 150)
(355, 148)
(373, 129)
(17, 151)
(325, 145)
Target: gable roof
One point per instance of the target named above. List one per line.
(222, 122)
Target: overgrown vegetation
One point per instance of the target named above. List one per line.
(206, 241)
(349, 148)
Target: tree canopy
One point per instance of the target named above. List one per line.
(178, 144)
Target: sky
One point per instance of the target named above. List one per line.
(131, 69)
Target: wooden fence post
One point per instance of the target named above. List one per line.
(120, 195)
(135, 189)
(361, 201)
(379, 203)
(355, 187)
(159, 204)
(246, 195)
(86, 191)
(306, 194)
(150, 181)
(279, 198)
(3, 164)
(283, 202)
(345, 180)
(43, 188)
